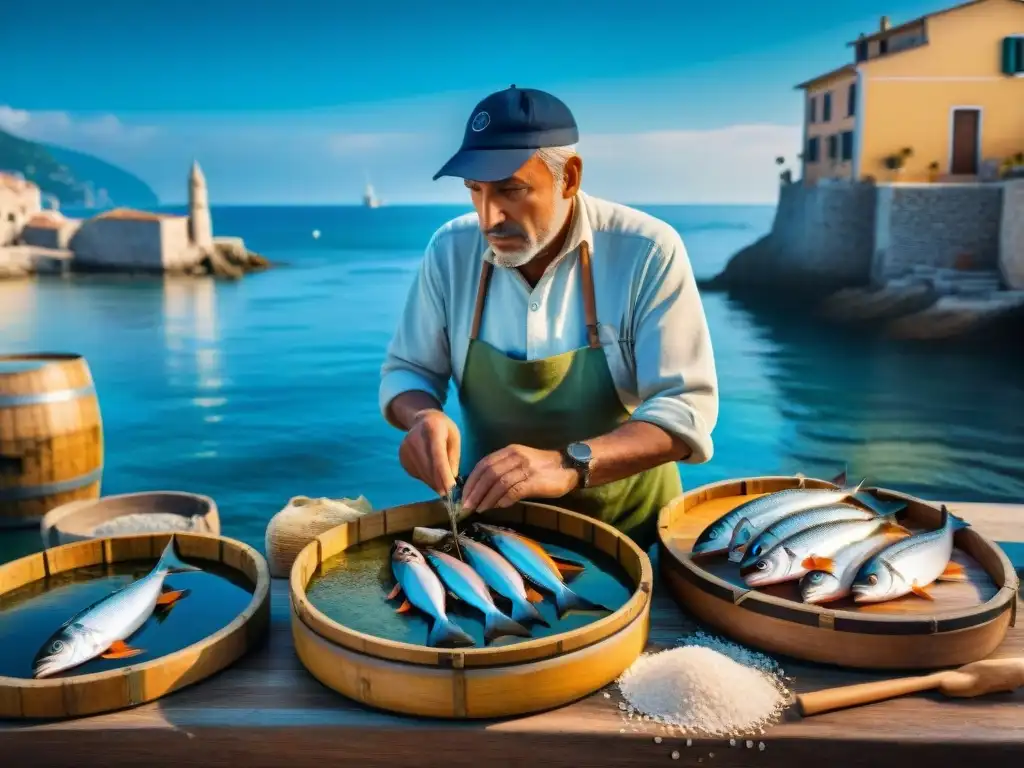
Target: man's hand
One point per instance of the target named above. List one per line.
(430, 450)
(517, 472)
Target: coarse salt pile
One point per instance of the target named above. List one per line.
(700, 689)
(149, 522)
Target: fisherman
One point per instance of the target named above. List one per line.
(571, 328)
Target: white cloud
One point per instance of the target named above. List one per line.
(733, 164)
(326, 158)
(77, 132)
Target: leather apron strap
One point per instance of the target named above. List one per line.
(586, 285)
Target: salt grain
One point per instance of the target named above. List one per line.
(750, 744)
(732, 742)
(149, 522)
(657, 739)
(689, 742)
(760, 745)
(705, 689)
(607, 695)
(675, 755)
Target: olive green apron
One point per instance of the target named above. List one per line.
(552, 402)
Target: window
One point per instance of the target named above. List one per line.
(826, 107)
(1013, 55)
(862, 50)
(851, 100)
(833, 147)
(883, 46)
(847, 141)
(812, 110)
(813, 150)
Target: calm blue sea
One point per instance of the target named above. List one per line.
(256, 391)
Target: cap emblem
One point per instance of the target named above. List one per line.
(480, 121)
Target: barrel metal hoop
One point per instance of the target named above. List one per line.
(23, 492)
(46, 398)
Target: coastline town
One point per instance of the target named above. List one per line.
(38, 240)
(909, 211)
(777, 621)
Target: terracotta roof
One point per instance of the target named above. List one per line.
(11, 181)
(46, 220)
(879, 34)
(851, 68)
(134, 215)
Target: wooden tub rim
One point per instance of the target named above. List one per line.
(56, 357)
(56, 517)
(852, 622)
(316, 621)
(260, 594)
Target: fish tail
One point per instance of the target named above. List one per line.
(523, 612)
(447, 634)
(169, 562)
(497, 624)
(568, 602)
(958, 523)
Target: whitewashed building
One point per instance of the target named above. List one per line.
(20, 200)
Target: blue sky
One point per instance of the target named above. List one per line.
(303, 101)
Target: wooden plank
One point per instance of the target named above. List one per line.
(268, 711)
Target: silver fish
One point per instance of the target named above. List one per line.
(911, 565)
(826, 585)
(499, 575)
(811, 550)
(793, 524)
(102, 629)
(735, 528)
(424, 591)
(536, 565)
(466, 584)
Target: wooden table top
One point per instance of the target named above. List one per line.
(268, 711)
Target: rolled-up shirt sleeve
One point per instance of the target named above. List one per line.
(675, 365)
(418, 357)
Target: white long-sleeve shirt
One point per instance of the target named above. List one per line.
(651, 320)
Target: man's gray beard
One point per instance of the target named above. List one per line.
(522, 257)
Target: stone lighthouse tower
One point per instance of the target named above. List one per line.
(200, 223)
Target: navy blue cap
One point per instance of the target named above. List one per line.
(506, 129)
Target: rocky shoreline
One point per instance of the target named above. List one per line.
(228, 260)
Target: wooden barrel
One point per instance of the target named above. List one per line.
(51, 436)
(78, 520)
(488, 682)
(965, 622)
(78, 695)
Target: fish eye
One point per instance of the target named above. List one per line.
(872, 579)
(762, 565)
(756, 549)
(817, 576)
(57, 646)
(713, 533)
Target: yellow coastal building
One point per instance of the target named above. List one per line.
(939, 97)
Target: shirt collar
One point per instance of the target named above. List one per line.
(580, 231)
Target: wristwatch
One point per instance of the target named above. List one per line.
(578, 456)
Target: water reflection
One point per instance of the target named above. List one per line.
(193, 354)
(18, 300)
(899, 414)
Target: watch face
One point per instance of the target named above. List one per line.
(579, 452)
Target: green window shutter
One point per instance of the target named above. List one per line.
(1012, 55)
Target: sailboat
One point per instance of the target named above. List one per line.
(370, 199)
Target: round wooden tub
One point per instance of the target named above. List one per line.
(77, 520)
(488, 682)
(51, 436)
(965, 622)
(78, 695)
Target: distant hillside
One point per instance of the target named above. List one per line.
(122, 187)
(73, 178)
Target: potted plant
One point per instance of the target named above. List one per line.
(1013, 167)
(898, 160)
(933, 171)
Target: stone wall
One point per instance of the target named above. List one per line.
(936, 225)
(1011, 235)
(826, 230)
(130, 244)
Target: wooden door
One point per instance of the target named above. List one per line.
(966, 132)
